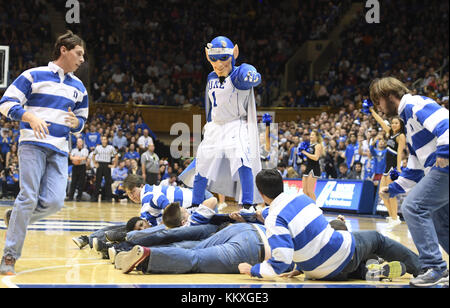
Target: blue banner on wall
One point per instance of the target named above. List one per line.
(349, 195)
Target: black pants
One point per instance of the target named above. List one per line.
(369, 244)
(151, 178)
(10, 188)
(78, 181)
(103, 171)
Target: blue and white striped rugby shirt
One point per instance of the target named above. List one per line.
(426, 125)
(298, 233)
(47, 93)
(155, 199)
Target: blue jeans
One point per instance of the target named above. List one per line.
(162, 236)
(372, 244)
(43, 180)
(101, 233)
(159, 236)
(425, 210)
(136, 235)
(220, 253)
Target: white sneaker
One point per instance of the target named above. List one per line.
(112, 254)
(392, 223)
(221, 206)
(127, 261)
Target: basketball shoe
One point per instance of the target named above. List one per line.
(128, 260)
(7, 265)
(389, 270)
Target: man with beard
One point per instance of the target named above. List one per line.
(425, 179)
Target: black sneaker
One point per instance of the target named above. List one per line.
(99, 245)
(249, 206)
(115, 236)
(219, 219)
(81, 241)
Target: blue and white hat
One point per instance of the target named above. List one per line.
(220, 48)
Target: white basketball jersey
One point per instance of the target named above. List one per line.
(227, 102)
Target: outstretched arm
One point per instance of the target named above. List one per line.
(245, 77)
(380, 120)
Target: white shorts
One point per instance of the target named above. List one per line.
(223, 141)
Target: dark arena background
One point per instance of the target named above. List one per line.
(145, 74)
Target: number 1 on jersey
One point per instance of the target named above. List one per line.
(214, 97)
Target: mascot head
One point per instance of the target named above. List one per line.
(222, 55)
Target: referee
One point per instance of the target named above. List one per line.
(78, 156)
(102, 161)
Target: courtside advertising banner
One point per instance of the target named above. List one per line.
(348, 195)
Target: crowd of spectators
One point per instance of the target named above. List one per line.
(410, 43)
(24, 27)
(130, 136)
(152, 53)
(348, 137)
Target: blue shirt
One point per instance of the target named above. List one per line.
(6, 146)
(349, 151)
(10, 179)
(119, 174)
(378, 160)
(120, 142)
(92, 139)
(132, 155)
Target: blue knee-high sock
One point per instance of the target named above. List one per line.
(246, 177)
(198, 191)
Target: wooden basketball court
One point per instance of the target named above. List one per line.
(51, 259)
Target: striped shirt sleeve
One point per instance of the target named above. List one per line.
(265, 212)
(153, 205)
(15, 96)
(149, 218)
(434, 118)
(282, 250)
(81, 111)
(201, 216)
(409, 177)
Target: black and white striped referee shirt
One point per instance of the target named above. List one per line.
(104, 154)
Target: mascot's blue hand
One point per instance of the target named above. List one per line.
(247, 77)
